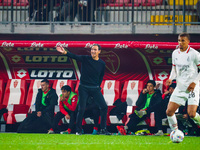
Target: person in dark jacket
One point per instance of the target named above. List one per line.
(92, 72)
(40, 120)
(146, 103)
(68, 103)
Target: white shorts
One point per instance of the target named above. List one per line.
(180, 97)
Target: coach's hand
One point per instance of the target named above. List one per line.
(169, 82)
(39, 113)
(191, 87)
(67, 116)
(61, 50)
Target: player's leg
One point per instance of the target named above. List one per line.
(83, 96)
(172, 107)
(193, 102)
(193, 114)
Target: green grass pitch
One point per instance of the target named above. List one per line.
(65, 142)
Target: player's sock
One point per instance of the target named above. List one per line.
(172, 122)
(69, 130)
(196, 119)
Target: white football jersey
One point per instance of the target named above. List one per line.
(186, 64)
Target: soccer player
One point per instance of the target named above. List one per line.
(185, 63)
(67, 105)
(92, 73)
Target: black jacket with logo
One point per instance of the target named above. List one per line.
(51, 100)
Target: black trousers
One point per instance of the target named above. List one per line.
(35, 124)
(59, 116)
(159, 110)
(84, 93)
(92, 111)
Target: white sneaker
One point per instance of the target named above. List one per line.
(77, 133)
(159, 133)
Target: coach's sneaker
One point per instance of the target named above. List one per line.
(105, 132)
(121, 130)
(95, 132)
(140, 114)
(159, 133)
(50, 132)
(78, 133)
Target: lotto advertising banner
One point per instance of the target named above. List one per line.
(125, 60)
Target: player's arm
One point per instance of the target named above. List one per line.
(65, 52)
(172, 75)
(197, 62)
(193, 84)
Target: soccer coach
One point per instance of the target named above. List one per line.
(92, 72)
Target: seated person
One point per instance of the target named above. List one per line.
(146, 103)
(68, 103)
(40, 120)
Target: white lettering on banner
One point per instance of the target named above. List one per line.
(36, 59)
(148, 46)
(34, 44)
(61, 45)
(5, 44)
(88, 45)
(118, 45)
(35, 49)
(51, 73)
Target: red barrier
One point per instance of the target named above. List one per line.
(88, 44)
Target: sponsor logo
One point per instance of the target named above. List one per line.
(21, 73)
(35, 49)
(61, 45)
(88, 45)
(16, 58)
(163, 75)
(34, 44)
(15, 83)
(47, 59)
(112, 60)
(133, 85)
(5, 44)
(118, 45)
(157, 60)
(148, 46)
(109, 85)
(52, 74)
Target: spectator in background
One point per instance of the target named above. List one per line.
(68, 103)
(39, 9)
(69, 9)
(40, 121)
(87, 9)
(146, 103)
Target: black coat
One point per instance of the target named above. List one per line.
(155, 99)
(51, 100)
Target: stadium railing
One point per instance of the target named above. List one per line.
(104, 12)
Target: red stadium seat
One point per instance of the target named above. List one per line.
(152, 3)
(130, 94)
(14, 98)
(8, 2)
(111, 90)
(22, 3)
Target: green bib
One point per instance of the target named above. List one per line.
(148, 100)
(69, 100)
(43, 98)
